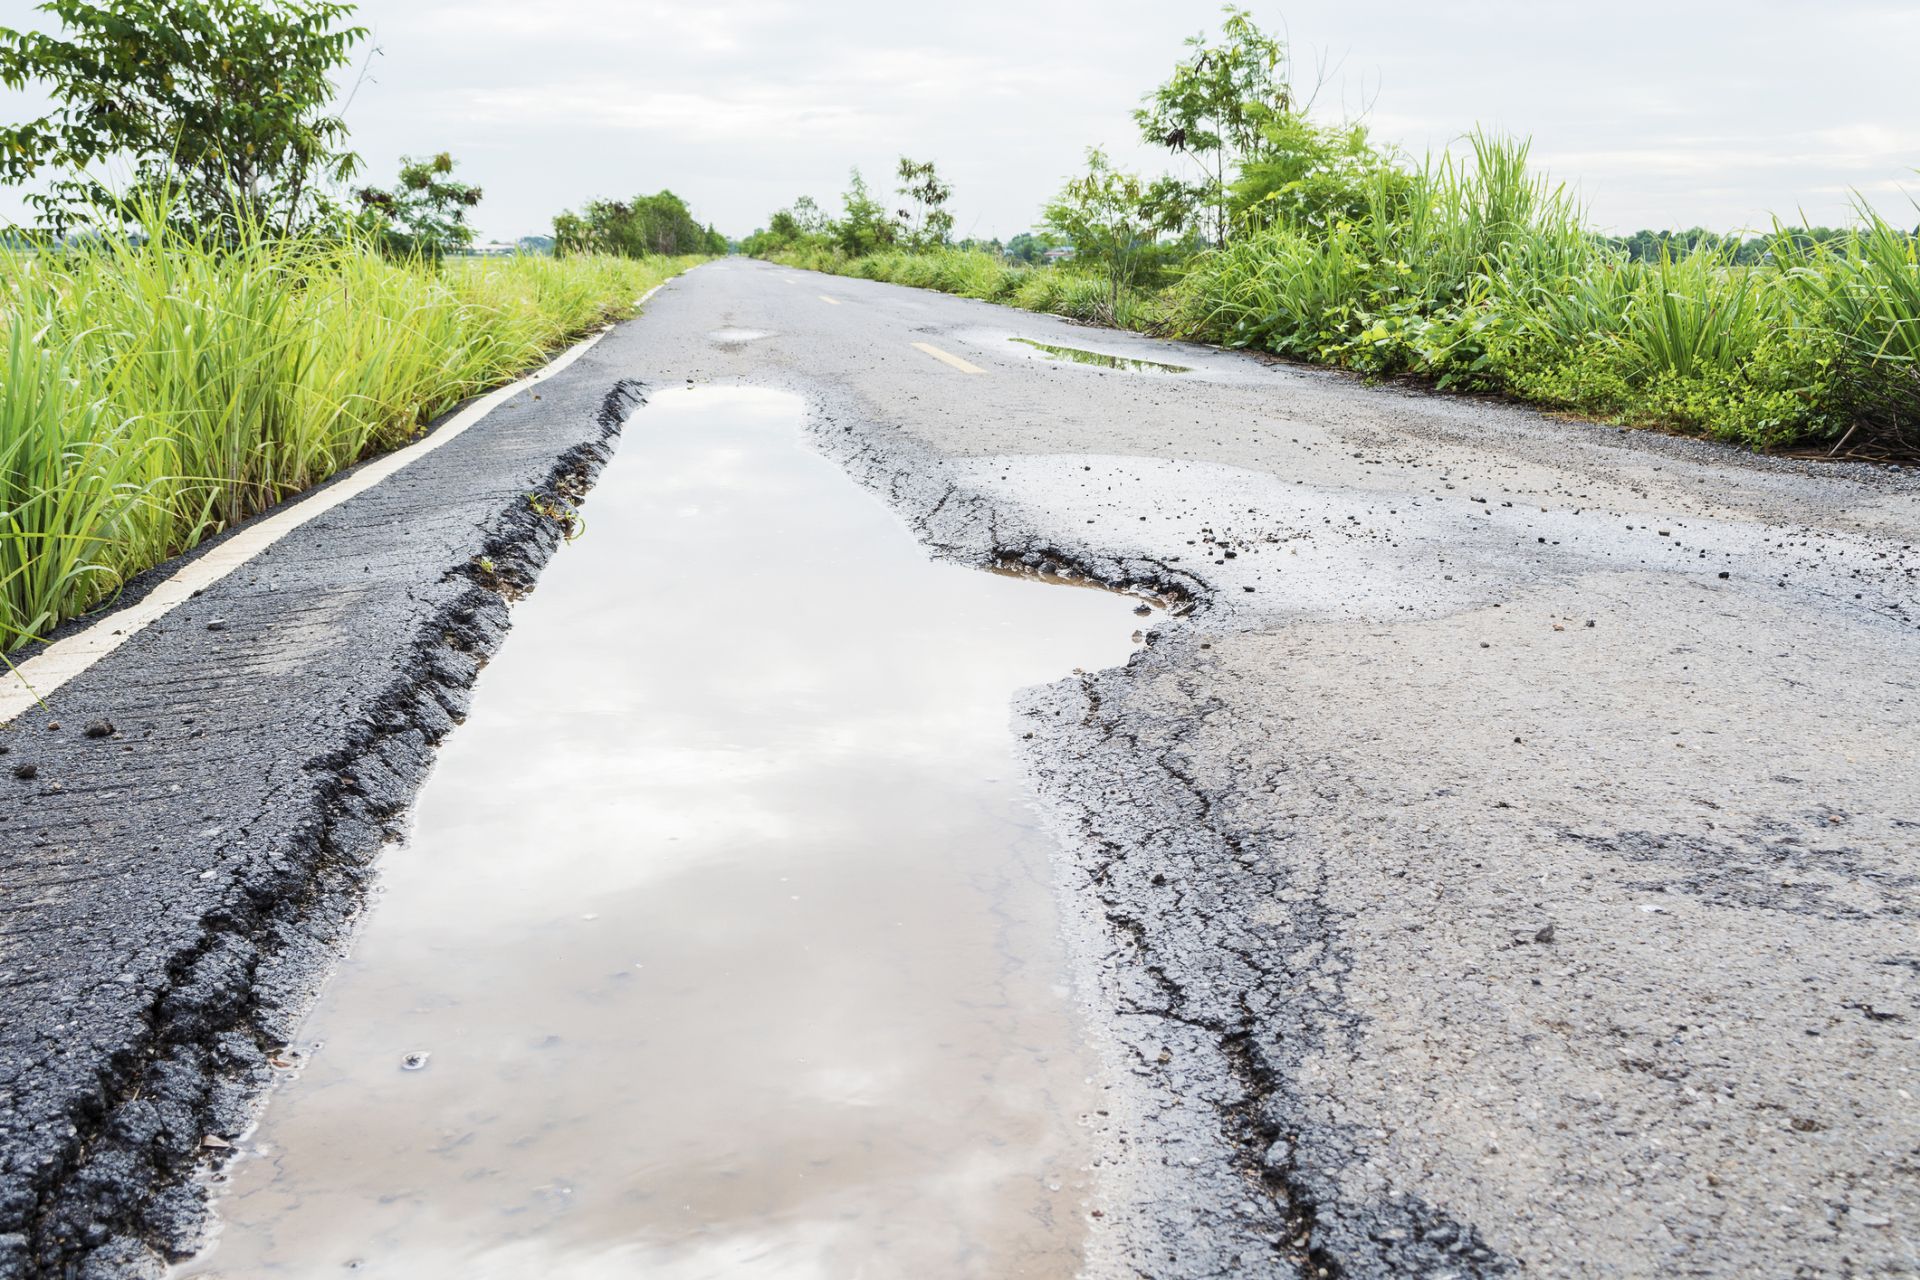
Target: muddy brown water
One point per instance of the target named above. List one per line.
(724, 943)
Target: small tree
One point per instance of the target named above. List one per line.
(782, 229)
(220, 107)
(426, 211)
(802, 224)
(866, 226)
(927, 221)
(1216, 104)
(809, 219)
(1114, 219)
(1313, 177)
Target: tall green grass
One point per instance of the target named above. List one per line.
(1479, 274)
(156, 393)
(1863, 300)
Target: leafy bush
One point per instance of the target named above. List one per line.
(424, 213)
(1480, 275)
(1115, 221)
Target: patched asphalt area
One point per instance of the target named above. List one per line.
(190, 823)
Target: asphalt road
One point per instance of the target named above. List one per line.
(1509, 864)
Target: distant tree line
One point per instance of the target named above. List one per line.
(1653, 246)
(636, 228)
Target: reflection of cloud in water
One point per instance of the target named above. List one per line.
(724, 918)
(799, 1252)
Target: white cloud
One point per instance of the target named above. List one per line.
(1664, 114)
(753, 116)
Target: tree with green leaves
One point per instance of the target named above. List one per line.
(1031, 247)
(424, 214)
(782, 229)
(803, 223)
(1216, 105)
(809, 219)
(222, 109)
(636, 228)
(866, 226)
(1312, 177)
(926, 222)
(1114, 219)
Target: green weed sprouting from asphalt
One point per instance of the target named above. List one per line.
(158, 392)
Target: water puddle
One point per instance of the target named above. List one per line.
(1177, 604)
(724, 945)
(1075, 355)
(737, 337)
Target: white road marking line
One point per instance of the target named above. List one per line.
(26, 685)
(832, 302)
(946, 358)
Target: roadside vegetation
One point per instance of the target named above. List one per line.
(155, 393)
(236, 323)
(645, 225)
(1315, 241)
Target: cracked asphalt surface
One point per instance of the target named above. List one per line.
(1508, 864)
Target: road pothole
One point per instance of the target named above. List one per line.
(1075, 355)
(725, 940)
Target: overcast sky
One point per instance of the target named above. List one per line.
(1662, 114)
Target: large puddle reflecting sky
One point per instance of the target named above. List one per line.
(726, 925)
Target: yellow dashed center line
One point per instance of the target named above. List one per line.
(945, 357)
(832, 302)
